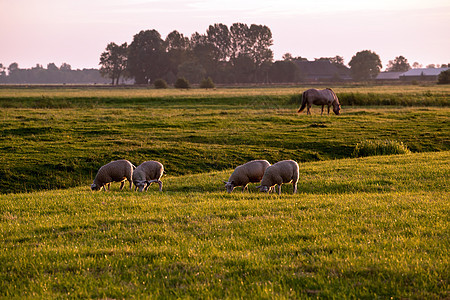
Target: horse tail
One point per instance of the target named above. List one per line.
(303, 103)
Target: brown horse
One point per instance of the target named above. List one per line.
(320, 97)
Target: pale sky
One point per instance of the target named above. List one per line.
(77, 31)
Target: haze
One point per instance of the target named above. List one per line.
(76, 32)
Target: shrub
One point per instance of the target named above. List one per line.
(182, 83)
(444, 77)
(207, 83)
(377, 147)
(160, 84)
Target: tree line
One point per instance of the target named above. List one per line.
(236, 54)
(51, 75)
(239, 54)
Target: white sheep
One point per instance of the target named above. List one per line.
(115, 171)
(251, 171)
(281, 172)
(147, 173)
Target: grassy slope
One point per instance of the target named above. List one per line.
(363, 228)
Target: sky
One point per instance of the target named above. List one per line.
(77, 31)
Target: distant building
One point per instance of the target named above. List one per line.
(388, 76)
(425, 74)
(323, 71)
(430, 74)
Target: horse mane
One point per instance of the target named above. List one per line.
(334, 96)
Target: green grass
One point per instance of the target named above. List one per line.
(44, 148)
(379, 147)
(363, 228)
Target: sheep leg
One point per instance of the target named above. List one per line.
(279, 189)
(328, 109)
(244, 187)
(308, 111)
(295, 187)
(160, 185)
(322, 110)
(122, 184)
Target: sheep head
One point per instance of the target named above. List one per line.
(229, 185)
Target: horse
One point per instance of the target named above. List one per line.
(320, 97)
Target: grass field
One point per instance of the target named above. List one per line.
(358, 228)
(51, 141)
(364, 228)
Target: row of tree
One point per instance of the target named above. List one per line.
(51, 75)
(240, 53)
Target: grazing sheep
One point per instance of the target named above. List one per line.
(147, 173)
(251, 171)
(281, 172)
(115, 171)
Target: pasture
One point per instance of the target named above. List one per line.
(374, 227)
(49, 140)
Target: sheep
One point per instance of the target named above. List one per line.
(147, 173)
(115, 171)
(281, 172)
(251, 171)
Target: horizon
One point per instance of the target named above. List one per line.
(77, 33)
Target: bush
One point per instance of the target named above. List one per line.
(207, 83)
(444, 77)
(160, 84)
(377, 147)
(182, 83)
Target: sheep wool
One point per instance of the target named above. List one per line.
(115, 171)
(147, 173)
(251, 171)
(281, 172)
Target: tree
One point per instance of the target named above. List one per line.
(176, 41)
(182, 83)
(244, 69)
(192, 71)
(2, 70)
(416, 65)
(337, 60)
(52, 67)
(239, 40)
(399, 64)
(13, 67)
(284, 71)
(260, 38)
(147, 59)
(114, 61)
(219, 36)
(65, 67)
(365, 65)
(178, 51)
(207, 83)
(444, 77)
(287, 57)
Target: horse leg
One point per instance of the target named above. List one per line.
(308, 109)
(322, 110)
(328, 109)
